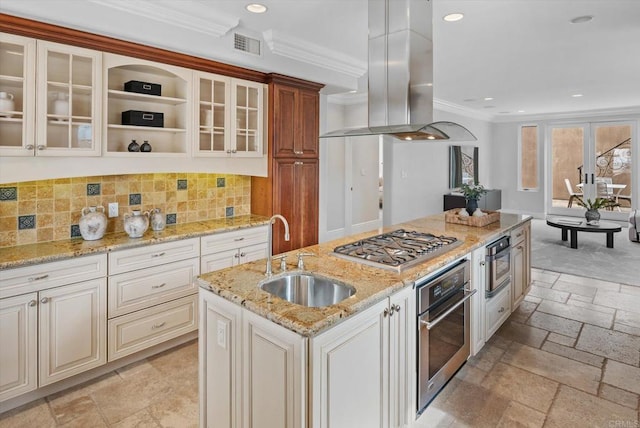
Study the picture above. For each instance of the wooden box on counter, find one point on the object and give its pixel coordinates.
(452, 216)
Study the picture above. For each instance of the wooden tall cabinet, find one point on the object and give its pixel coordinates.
(291, 189)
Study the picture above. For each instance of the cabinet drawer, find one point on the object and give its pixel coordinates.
(144, 288)
(28, 279)
(518, 234)
(498, 310)
(232, 240)
(140, 330)
(153, 255)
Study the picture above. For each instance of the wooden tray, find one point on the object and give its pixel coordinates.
(452, 216)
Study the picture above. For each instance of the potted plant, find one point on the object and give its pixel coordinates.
(472, 193)
(593, 215)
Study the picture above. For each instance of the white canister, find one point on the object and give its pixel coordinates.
(7, 104)
(93, 223)
(136, 223)
(61, 106)
(208, 118)
(157, 219)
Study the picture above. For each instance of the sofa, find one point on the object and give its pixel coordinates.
(634, 226)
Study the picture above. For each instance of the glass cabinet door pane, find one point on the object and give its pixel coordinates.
(11, 60)
(252, 98)
(58, 135)
(219, 93)
(81, 71)
(241, 96)
(81, 103)
(12, 57)
(205, 90)
(58, 67)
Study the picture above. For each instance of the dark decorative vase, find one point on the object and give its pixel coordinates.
(145, 147)
(472, 205)
(592, 216)
(133, 146)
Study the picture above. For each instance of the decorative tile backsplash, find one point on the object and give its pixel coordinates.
(49, 210)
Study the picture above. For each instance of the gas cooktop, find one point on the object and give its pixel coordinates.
(397, 250)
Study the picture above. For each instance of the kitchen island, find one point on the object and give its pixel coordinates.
(265, 359)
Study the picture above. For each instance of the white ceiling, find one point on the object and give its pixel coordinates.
(523, 53)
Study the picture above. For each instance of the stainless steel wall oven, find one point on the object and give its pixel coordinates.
(498, 265)
(443, 329)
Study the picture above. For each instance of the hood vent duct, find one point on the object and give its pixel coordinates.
(400, 75)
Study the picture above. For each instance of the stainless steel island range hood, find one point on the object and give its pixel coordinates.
(401, 74)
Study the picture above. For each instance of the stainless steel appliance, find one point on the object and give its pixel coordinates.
(498, 265)
(396, 250)
(443, 329)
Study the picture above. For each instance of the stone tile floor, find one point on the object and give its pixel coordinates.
(569, 356)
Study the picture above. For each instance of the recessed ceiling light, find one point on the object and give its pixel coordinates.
(429, 84)
(581, 19)
(408, 138)
(453, 17)
(256, 8)
(431, 137)
(576, 95)
(520, 111)
(353, 91)
(488, 98)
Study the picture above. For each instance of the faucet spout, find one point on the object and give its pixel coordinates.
(272, 220)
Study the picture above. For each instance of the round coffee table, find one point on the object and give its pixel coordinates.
(575, 225)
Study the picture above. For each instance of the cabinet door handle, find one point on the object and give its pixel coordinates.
(239, 239)
(396, 308)
(519, 247)
(41, 147)
(155, 326)
(44, 300)
(33, 303)
(38, 278)
(236, 255)
(297, 152)
(243, 254)
(298, 163)
(519, 235)
(29, 147)
(234, 151)
(501, 310)
(482, 263)
(158, 254)
(229, 151)
(385, 312)
(159, 286)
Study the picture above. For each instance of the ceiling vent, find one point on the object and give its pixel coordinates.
(246, 44)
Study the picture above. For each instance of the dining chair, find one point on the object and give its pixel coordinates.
(572, 193)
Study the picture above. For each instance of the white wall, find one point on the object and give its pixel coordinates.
(417, 173)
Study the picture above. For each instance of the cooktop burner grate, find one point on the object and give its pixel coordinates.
(397, 250)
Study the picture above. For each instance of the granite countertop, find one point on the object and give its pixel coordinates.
(239, 284)
(24, 255)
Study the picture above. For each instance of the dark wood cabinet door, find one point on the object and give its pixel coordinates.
(309, 125)
(285, 118)
(296, 198)
(306, 176)
(296, 125)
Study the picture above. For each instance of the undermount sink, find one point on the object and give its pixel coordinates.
(306, 289)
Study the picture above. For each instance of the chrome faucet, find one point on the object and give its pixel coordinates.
(272, 220)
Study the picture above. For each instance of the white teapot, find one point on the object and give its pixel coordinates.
(6, 104)
(93, 223)
(61, 106)
(136, 223)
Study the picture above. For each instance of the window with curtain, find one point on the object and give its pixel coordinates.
(528, 179)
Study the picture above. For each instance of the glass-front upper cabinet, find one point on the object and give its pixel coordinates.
(17, 95)
(213, 119)
(69, 82)
(247, 118)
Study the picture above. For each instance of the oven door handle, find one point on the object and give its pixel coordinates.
(435, 322)
(492, 257)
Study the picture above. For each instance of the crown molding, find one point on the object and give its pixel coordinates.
(287, 46)
(447, 106)
(599, 113)
(199, 18)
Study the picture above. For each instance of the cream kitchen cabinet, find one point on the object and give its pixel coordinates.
(57, 328)
(252, 371)
(520, 263)
(18, 345)
(152, 295)
(230, 116)
(497, 310)
(56, 92)
(362, 370)
(257, 373)
(228, 249)
(168, 135)
(477, 306)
